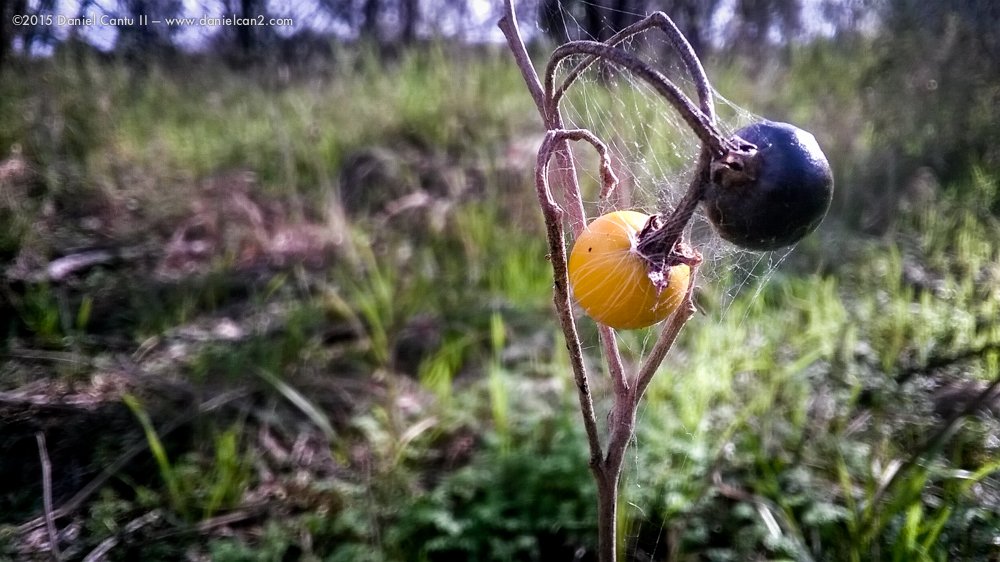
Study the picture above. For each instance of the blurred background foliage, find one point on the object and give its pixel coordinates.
(280, 292)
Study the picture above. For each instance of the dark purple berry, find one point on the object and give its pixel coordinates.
(772, 191)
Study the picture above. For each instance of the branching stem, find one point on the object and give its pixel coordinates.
(680, 44)
(557, 256)
(607, 468)
(700, 123)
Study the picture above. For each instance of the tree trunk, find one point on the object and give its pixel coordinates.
(7, 30)
(245, 33)
(369, 27)
(409, 16)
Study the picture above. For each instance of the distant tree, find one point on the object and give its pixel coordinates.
(755, 24)
(32, 36)
(588, 19)
(847, 17)
(139, 41)
(246, 43)
(386, 23)
(934, 97)
(409, 17)
(7, 29)
(764, 22)
(693, 18)
(369, 25)
(249, 37)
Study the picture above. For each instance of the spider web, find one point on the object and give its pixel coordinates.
(654, 154)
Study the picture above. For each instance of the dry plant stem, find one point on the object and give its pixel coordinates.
(578, 221)
(558, 137)
(623, 415)
(700, 123)
(672, 231)
(94, 485)
(567, 178)
(564, 159)
(508, 25)
(666, 340)
(104, 548)
(50, 520)
(564, 308)
(606, 470)
(657, 247)
(680, 44)
(938, 438)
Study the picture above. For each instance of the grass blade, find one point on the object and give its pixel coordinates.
(300, 402)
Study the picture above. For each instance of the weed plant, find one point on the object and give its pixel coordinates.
(796, 422)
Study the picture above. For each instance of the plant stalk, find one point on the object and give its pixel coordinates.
(607, 468)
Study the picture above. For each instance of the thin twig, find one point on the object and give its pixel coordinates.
(567, 170)
(61, 268)
(616, 369)
(623, 414)
(133, 526)
(663, 22)
(50, 520)
(508, 24)
(557, 256)
(572, 201)
(204, 526)
(657, 247)
(46, 355)
(609, 181)
(22, 401)
(564, 159)
(938, 437)
(941, 361)
(700, 123)
(94, 485)
(666, 340)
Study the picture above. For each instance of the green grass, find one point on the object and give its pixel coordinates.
(800, 393)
